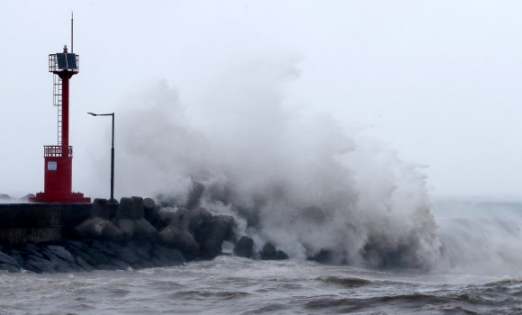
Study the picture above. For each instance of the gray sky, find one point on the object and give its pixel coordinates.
(439, 82)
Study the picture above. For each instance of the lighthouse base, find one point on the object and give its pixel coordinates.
(59, 197)
(58, 177)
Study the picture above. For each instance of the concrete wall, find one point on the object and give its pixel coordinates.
(39, 222)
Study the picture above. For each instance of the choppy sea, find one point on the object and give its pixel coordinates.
(480, 273)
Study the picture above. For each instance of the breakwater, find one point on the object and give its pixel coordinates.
(111, 235)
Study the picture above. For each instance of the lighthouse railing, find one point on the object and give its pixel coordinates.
(56, 151)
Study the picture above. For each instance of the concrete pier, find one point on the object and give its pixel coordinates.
(39, 222)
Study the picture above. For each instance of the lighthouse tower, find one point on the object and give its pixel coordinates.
(58, 158)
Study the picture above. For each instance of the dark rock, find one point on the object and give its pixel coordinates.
(167, 256)
(9, 268)
(199, 217)
(379, 253)
(149, 204)
(57, 258)
(268, 251)
(142, 248)
(150, 210)
(99, 228)
(143, 229)
(95, 258)
(280, 255)
(112, 208)
(139, 208)
(210, 233)
(84, 265)
(126, 226)
(75, 255)
(243, 247)
(99, 208)
(324, 256)
(228, 224)
(80, 250)
(125, 209)
(62, 253)
(154, 217)
(181, 219)
(33, 250)
(179, 239)
(39, 265)
(16, 255)
(8, 260)
(126, 254)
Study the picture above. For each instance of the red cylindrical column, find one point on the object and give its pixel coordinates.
(65, 113)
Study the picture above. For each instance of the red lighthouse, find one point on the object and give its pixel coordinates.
(58, 158)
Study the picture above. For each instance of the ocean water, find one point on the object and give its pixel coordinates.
(479, 271)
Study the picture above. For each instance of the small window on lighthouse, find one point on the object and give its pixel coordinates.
(52, 166)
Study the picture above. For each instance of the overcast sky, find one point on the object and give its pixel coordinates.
(439, 82)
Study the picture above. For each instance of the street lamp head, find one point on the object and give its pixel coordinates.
(94, 114)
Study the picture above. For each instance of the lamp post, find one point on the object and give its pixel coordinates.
(112, 151)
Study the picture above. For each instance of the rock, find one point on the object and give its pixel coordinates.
(67, 256)
(139, 208)
(112, 208)
(211, 233)
(62, 253)
(8, 263)
(198, 217)
(5, 259)
(280, 255)
(243, 247)
(9, 268)
(150, 210)
(16, 255)
(181, 219)
(268, 251)
(155, 217)
(125, 209)
(99, 228)
(33, 250)
(99, 208)
(83, 264)
(167, 256)
(129, 223)
(60, 258)
(39, 265)
(179, 239)
(324, 256)
(127, 227)
(143, 229)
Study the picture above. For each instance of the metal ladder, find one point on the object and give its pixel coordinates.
(57, 101)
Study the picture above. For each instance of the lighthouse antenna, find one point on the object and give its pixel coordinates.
(72, 31)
